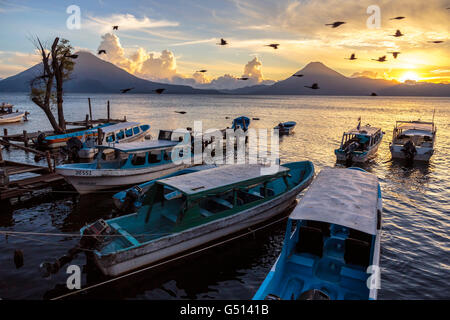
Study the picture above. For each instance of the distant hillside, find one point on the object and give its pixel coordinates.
(333, 83)
(93, 75)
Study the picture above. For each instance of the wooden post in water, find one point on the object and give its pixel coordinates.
(86, 121)
(90, 108)
(108, 110)
(1, 155)
(25, 138)
(49, 161)
(5, 132)
(99, 136)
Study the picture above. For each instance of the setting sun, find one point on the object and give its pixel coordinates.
(410, 75)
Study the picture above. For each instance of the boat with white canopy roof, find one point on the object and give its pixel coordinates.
(331, 248)
(122, 132)
(413, 140)
(133, 163)
(182, 212)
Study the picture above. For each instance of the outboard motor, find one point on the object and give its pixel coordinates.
(131, 197)
(409, 149)
(93, 236)
(73, 146)
(349, 150)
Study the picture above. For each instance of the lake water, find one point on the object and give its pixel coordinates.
(415, 246)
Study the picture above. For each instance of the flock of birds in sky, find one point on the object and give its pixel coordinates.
(314, 86)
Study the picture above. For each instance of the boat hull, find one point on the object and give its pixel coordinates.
(423, 154)
(359, 158)
(172, 245)
(12, 117)
(88, 181)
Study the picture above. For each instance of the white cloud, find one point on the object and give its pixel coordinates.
(163, 67)
(126, 22)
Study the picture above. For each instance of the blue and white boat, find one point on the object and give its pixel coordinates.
(241, 123)
(333, 251)
(286, 128)
(359, 144)
(186, 211)
(133, 163)
(122, 132)
(131, 198)
(60, 140)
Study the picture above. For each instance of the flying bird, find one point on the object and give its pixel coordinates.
(181, 112)
(335, 24)
(352, 57)
(115, 27)
(203, 70)
(101, 51)
(398, 33)
(125, 90)
(373, 94)
(160, 90)
(314, 86)
(273, 45)
(436, 41)
(243, 78)
(298, 75)
(397, 18)
(222, 42)
(381, 59)
(395, 54)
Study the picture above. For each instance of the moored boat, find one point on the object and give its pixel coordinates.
(331, 248)
(122, 132)
(359, 144)
(133, 163)
(7, 115)
(131, 198)
(183, 212)
(286, 128)
(60, 140)
(413, 140)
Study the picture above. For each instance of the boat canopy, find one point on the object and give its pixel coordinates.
(139, 146)
(221, 178)
(119, 126)
(365, 130)
(414, 132)
(344, 197)
(415, 125)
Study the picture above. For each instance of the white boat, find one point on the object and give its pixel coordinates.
(413, 140)
(183, 212)
(12, 117)
(134, 163)
(359, 144)
(122, 132)
(8, 116)
(331, 248)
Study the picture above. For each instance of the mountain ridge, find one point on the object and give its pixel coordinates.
(94, 75)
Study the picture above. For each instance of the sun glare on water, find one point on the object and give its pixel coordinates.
(410, 75)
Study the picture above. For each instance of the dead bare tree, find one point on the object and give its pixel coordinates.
(57, 63)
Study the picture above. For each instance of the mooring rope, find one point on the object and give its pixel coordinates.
(167, 261)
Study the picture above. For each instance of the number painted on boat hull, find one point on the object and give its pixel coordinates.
(83, 173)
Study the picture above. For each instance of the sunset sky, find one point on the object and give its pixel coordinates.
(169, 40)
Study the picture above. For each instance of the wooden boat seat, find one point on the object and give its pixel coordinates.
(306, 263)
(171, 216)
(323, 226)
(125, 234)
(223, 202)
(205, 212)
(353, 273)
(358, 235)
(357, 252)
(310, 241)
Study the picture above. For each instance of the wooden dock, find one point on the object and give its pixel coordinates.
(17, 188)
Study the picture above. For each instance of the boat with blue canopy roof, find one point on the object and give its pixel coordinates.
(331, 248)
